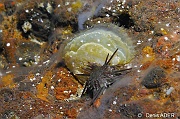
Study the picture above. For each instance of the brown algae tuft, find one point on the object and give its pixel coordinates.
(93, 45)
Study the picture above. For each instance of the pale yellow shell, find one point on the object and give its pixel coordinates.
(93, 46)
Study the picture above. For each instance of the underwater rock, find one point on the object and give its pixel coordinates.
(36, 20)
(7, 95)
(154, 78)
(8, 114)
(10, 7)
(3, 61)
(27, 53)
(93, 10)
(1, 18)
(93, 45)
(130, 110)
(1, 36)
(25, 86)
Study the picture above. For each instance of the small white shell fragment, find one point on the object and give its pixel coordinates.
(168, 92)
(26, 26)
(49, 8)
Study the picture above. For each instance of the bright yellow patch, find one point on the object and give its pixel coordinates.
(148, 54)
(43, 87)
(76, 6)
(7, 80)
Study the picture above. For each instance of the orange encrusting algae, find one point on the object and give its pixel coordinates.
(43, 87)
(66, 84)
(148, 54)
(28, 94)
(2, 7)
(11, 38)
(72, 113)
(7, 81)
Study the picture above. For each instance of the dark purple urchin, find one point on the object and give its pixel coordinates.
(101, 77)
